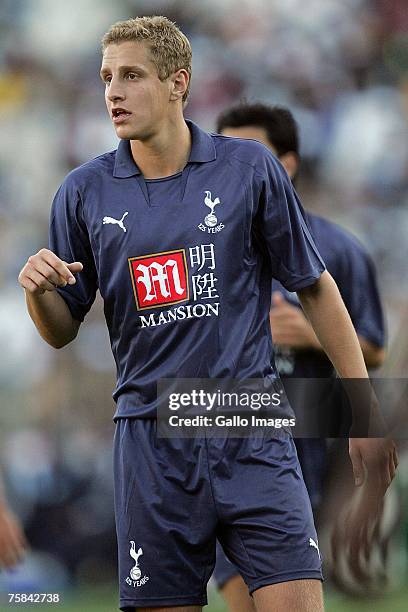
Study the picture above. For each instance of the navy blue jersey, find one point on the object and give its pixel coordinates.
(353, 270)
(184, 264)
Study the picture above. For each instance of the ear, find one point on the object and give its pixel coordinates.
(179, 84)
(290, 161)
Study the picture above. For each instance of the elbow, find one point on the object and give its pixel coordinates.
(375, 358)
(58, 342)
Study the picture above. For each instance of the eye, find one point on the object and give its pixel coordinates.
(107, 79)
(132, 76)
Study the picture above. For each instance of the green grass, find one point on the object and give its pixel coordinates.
(105, 600)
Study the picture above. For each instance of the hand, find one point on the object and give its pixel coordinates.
(289, 325)
(45, 271)
(359, 541)
(374, 461)
(12, 540)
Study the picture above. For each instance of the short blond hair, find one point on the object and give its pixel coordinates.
(170, 48)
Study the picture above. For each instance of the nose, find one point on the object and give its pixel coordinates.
(115, 92)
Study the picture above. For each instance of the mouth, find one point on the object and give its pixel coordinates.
(119, 115)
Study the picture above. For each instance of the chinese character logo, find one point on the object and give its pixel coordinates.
(159, 279)
(203, 256)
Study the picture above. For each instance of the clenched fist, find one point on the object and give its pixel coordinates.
(44, 271)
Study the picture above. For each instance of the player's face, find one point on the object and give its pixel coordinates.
(136, 99)
(250, 131)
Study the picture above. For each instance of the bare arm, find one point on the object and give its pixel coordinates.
(12, 539)
(291, 328)
(330, 320)
(40, 276)
(13, 544)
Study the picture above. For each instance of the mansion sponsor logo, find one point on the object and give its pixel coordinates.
(179, 313)
(159, 279)
(171, 277)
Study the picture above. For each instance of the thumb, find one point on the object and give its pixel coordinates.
(75, 266)
(358, 468)
(277, 298)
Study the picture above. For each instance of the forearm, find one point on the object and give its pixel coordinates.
(376, 458)
(52, 318)
(331, 322)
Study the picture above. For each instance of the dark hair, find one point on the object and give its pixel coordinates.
(277, 121)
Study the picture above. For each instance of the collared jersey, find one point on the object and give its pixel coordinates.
(184, 264)
(353, 270)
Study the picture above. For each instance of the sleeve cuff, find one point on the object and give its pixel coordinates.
(305, 281)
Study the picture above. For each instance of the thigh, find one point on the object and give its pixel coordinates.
(165, 518)
(294, 596)
(267, 523)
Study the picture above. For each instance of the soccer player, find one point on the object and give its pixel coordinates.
(181, 231)
(298, 352)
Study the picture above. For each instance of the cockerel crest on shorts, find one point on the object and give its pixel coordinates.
(135, 572)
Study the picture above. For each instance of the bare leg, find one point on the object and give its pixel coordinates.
(292, 596)
(236, 594)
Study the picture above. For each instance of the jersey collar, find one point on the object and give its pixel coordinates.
(202, 150)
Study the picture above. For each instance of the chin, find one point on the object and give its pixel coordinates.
(124, 132)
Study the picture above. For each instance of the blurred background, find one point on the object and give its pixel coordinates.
(342, 68)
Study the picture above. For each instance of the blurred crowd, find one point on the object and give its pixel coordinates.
(342, 68)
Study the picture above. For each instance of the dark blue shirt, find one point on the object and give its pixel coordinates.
(184, 265)
(353, 270)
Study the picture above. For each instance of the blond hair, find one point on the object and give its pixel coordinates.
(170, 48)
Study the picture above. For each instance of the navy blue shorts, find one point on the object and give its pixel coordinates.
(174, 497)
(312, 454)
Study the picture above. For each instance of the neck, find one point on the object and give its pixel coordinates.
(164, 153)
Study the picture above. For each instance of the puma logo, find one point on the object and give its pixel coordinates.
(314, 544)
(116, 221)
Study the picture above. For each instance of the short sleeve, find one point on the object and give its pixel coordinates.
(358, 286)
(69, 240)
(282, 227)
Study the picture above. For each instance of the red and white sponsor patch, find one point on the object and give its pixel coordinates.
(160, 278)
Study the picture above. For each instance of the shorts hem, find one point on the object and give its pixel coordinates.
(186, 600)
(287, 577)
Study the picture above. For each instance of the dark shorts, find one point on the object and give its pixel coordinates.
(312, 454)
(174, 497)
